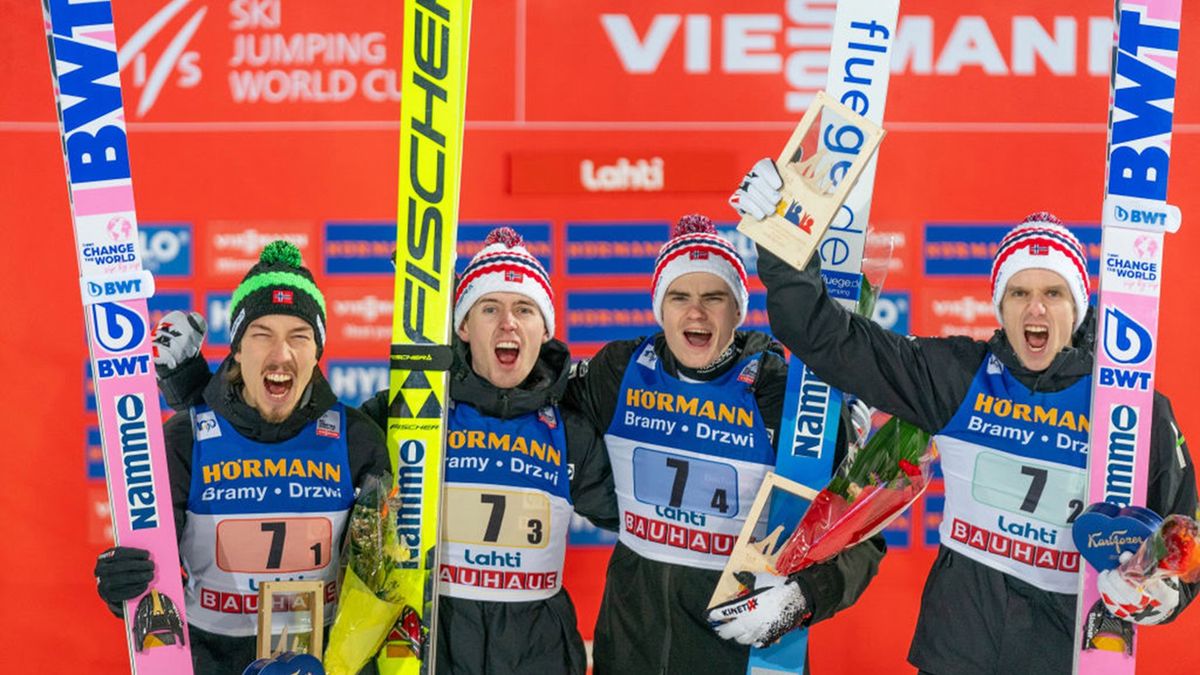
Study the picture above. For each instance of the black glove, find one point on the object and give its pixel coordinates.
(122, 573)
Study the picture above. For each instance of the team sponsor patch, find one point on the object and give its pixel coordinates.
(329, 425)
(206, 426)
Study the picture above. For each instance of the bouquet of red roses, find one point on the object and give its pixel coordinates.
(870, 489)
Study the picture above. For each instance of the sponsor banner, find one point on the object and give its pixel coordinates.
(624, 249)
(620, 172)
(607, 316)
(359, 314)
(931, 520)
(955, 308)
(359, 248)
(266, 60)
(583, 533)
(893, 312)
(745, 51)
(232, 248)
(355, 381)
(745, 248)
(166, 248)
(535, 234)
(958, 249)
(94, 454)
(89, 388)
(99, 516)
(216, 312)
(898, 533)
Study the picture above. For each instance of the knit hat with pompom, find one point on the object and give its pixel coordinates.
(695, 246)
(278, 284)
(504, 265)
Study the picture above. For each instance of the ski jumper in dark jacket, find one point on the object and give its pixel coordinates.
(667, 562)
(230, 469)
(1000, 596)
(531, 627)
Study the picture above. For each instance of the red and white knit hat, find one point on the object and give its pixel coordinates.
(504, 265)
(1041, 242)
(695, 246)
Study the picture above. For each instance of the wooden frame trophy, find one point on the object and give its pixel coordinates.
(821, 162)
(300, 654)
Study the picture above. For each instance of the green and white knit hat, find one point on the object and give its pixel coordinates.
(278, 284)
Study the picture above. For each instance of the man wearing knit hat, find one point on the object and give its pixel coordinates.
(506, 514)
(691, 415)
(263, 465)
(1009, 417)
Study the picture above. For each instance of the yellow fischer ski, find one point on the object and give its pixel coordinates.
(433, 95)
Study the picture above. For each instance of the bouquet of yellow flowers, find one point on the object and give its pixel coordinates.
(370, 600)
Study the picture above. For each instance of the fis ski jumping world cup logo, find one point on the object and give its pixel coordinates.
(1129, 343)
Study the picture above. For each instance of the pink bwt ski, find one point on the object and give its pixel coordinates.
(83, 59)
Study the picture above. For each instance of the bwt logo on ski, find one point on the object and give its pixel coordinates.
(123, 287)
(135, 458)
(810, 416)
(81, 68)
(117, 328)
(1122, 444)
(1126, 342)
(166, 249)
(1143, 109)
(410, 485)
(1125, 215)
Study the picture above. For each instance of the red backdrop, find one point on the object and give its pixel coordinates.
(996, 110)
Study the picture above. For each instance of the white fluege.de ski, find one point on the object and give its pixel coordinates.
(1135, 219)
(114, 288)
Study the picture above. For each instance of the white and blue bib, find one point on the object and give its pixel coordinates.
(508, 506)
(262, 512)
(1015, 465)
(687, 459)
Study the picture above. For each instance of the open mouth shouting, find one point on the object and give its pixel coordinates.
(278, 385)
(507, 352)
(1037, 338)
(699, 338)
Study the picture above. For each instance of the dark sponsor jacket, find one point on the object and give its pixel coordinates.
(653, 615)
(973, 618)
